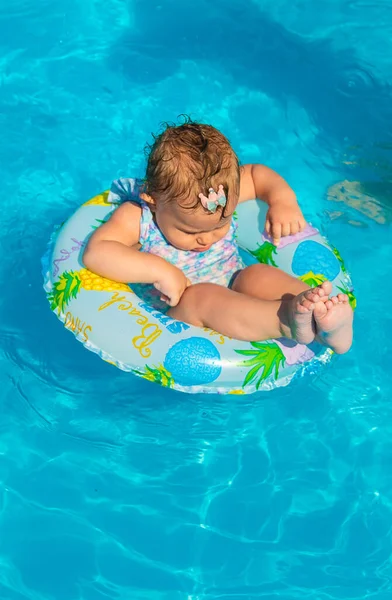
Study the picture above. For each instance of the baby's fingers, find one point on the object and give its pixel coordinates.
(294, 228)
(302, 224)
(173, 301)
(268, 226)
(276, 233)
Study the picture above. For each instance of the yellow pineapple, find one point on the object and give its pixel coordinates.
(157, 374)
(100, 200)
(70, 283)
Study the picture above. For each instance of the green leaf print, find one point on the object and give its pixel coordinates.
(64, 290)
(264, 254)
(157, 374)
(266, 360)
(339, 258)
(313, 279)
(351, 296)
(100, 222)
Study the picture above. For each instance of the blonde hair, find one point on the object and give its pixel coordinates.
(187, 159)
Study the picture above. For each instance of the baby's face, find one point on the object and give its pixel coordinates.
(188, 229)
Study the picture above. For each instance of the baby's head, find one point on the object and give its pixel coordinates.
(184, 162)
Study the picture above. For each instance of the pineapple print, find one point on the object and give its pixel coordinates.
(264, 254)
(263, 360)
(100, 200)
(157, 375)
(312, 279)
(70, 283)
(313, 258)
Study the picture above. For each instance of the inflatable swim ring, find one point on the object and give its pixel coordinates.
(111, 320)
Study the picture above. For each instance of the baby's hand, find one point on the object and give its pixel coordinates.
(284, 219)
(172, 284)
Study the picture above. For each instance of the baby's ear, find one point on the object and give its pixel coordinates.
(149, 200)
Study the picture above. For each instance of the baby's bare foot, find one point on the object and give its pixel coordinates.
(334, 323)
(302, 324)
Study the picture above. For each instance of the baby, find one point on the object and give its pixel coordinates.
(175, 235)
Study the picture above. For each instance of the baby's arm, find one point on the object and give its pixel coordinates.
(284, 216)
(113, 252)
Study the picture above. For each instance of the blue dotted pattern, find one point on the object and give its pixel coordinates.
(312, 256)
(193, 361)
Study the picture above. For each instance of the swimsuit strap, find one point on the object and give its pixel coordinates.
(125, 189)
(148, 228)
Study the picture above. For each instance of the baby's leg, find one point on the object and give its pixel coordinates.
(332, 321)
(268, 283)
(245, 318)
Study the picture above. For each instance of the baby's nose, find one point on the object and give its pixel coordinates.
(205, 239)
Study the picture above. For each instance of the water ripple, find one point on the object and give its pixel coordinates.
(357, 79)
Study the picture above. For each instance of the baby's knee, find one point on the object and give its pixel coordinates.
(187, 310)
(248, 276)
(191, 307)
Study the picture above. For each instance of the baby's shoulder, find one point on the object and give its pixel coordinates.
(128, 212)
(123, 225)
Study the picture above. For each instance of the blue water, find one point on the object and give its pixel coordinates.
(111, 487)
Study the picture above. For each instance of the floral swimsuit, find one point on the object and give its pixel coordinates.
(219, 264)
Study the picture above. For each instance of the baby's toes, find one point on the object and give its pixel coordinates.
(326, 288)
(329, 304)
(320, 292)
(320, 310)
(306, 305)
(316, 295)
(342, 297)
(312, 296)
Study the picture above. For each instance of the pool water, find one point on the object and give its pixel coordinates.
(111, 487)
